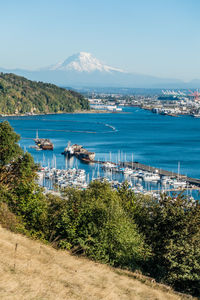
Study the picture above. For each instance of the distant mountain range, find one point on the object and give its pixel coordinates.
(83, 69)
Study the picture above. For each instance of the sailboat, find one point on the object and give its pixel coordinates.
(177, 183)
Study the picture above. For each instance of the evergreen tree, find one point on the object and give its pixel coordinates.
(9, 149)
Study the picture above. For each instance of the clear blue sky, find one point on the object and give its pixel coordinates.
(158, 37)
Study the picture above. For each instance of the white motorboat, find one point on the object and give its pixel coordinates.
(151, 177)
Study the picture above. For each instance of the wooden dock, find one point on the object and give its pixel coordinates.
(161, 172)
(138, 166)
(177, 189)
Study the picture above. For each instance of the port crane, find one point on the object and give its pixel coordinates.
(173, 93)
(195, 94)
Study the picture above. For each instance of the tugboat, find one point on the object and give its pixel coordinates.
(78, 151)
(44, 144)
(68, 151)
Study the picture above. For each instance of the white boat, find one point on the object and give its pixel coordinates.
(128, 171)
(166, 180)
(135, 174)
(108, 166)
(179, 183)
(69, 151)
(151, 177)
(139, 186)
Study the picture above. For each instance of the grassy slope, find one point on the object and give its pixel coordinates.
(42, 272)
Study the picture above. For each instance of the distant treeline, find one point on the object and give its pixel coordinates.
(160, 238)
(20, 95)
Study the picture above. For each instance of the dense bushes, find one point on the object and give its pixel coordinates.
(10, 220)
(162, 238)
(172, 229)
(18, 188)
(94, 223)
(20, 95)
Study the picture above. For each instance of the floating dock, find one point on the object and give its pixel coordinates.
(138, 166)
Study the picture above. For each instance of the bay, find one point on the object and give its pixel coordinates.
(156, 140)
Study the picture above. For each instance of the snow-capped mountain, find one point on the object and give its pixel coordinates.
(82, 62)
(84, 70)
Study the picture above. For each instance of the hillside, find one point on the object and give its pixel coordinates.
(160, 239)
(32, 270)
(20, 95)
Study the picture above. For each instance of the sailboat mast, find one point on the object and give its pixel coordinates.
(178, 170)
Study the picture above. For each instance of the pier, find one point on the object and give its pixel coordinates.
(143, 167)
(161, 172)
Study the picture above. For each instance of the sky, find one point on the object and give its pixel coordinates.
(154, 37)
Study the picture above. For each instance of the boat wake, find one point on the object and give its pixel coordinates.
(109, 126)
(63, 130)
(105, 124)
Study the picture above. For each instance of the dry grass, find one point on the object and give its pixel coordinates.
(31, 270)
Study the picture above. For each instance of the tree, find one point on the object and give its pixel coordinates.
(22, 172)
(93, 222)
(27, 198)
(23, 95)
(9, 149)
(18, 187)
(172, 229)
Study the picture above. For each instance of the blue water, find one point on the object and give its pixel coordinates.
(156, 140)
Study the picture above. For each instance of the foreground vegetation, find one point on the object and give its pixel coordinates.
(19, 95)
(157, 238)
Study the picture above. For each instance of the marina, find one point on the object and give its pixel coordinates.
(135, 169)
(156, 143)
(170, 181)
(139, 178)
(140, 182)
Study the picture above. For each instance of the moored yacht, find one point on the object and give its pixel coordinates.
(150, 177)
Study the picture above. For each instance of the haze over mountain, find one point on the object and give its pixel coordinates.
(83, 69)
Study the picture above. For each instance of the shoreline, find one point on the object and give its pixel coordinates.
(92, 111)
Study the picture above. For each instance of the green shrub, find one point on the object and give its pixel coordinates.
(94, 223)
(9, 220)
(172, 229)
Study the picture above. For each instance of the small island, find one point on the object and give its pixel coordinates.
(19, 96)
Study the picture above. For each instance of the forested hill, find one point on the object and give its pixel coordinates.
(19, 95)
